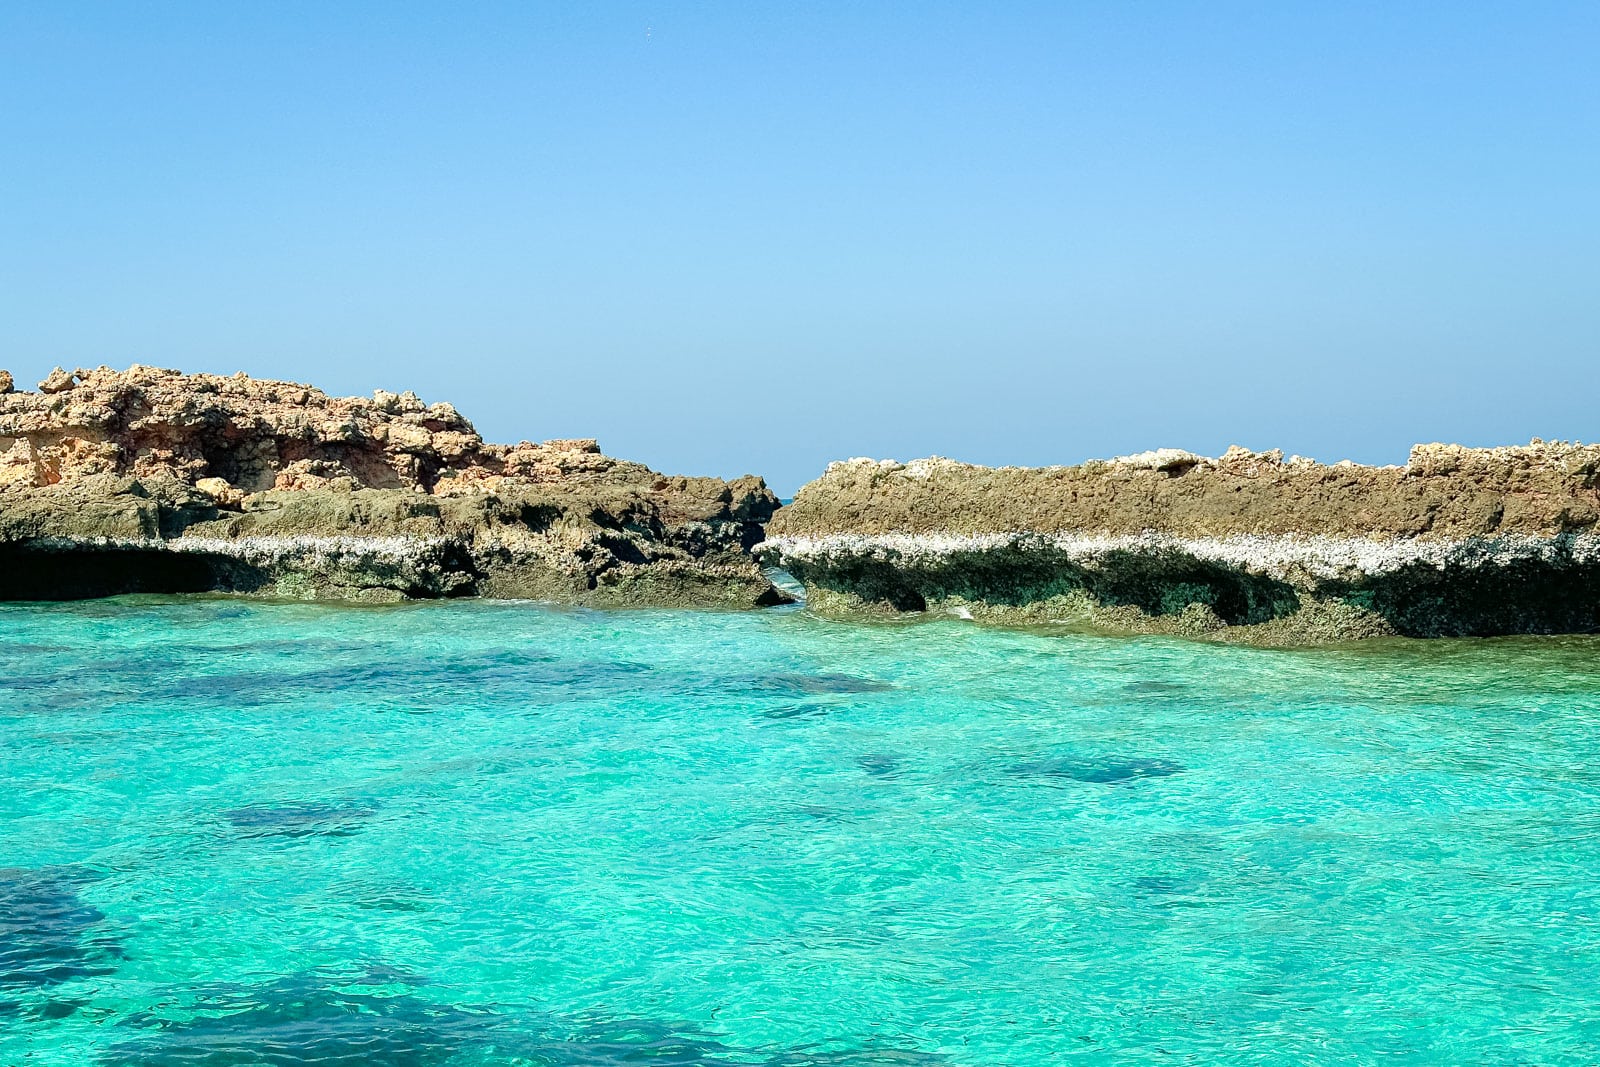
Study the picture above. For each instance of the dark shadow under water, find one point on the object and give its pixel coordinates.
(316, 1019)
(299, 819)
(47, 933)
(1109, 770)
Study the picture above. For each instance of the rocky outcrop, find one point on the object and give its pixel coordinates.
(1249, 547)
(155, 481)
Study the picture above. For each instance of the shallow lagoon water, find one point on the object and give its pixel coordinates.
(477, 833)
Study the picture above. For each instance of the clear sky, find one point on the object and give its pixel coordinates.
(756, 237)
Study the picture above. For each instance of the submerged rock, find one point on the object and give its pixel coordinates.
(1248, 547)
(360, 1021)
(47, 932)
(796, 711)
(812, 684)
(149, 480)
(1110, 771)
(879, 765)
(306, 1019)
(299, 819)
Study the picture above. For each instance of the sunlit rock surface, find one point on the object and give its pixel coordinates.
(149, 480)
(1247, 547)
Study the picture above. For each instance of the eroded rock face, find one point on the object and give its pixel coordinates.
(258, 435)
(1247, 547)
(153, 480)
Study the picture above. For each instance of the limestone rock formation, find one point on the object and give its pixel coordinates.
(1246, 547)
(152, 480)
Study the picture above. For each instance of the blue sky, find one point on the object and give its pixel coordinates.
(756, 237)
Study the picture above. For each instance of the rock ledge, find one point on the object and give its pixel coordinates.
(1248, 547)
(149, 480)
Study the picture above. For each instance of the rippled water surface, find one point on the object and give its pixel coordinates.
(472, 833)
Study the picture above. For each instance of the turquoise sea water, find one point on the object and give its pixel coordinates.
(474, 833)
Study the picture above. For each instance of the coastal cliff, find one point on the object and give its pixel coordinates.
(1249, 547)
(149, 480)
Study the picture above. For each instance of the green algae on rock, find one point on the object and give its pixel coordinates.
(1249, 547)
(149, 480)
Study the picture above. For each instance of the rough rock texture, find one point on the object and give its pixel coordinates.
(1249, 547)
(151, 480)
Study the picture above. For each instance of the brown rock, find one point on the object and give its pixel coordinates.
(220, 491)
(558, 520)
(574, 444)
(1444, 492)
(57, 381)
(1249, 547)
